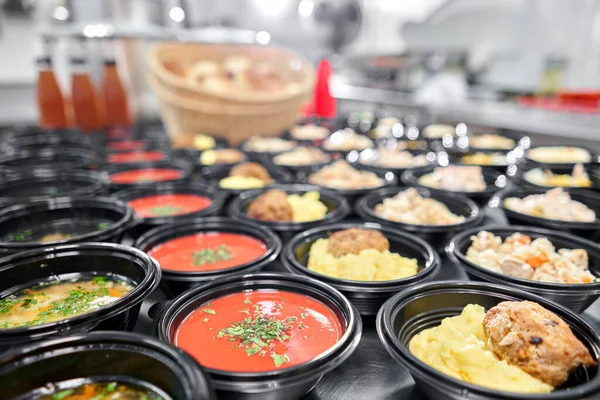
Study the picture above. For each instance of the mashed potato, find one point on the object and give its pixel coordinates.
(367, 265)
(307, 207)
(458, 348)
(241, 182)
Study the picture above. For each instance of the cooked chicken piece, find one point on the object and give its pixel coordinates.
(251, 170)
(271, 206)
(536, 340)
(517, 268)
(352, 241)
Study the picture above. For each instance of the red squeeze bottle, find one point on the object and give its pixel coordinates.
(86, 105)
(325, 105)
(114, 97)
(50, 101)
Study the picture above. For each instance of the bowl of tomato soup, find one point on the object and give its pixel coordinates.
(103, 365)
(192, 253)
(123, 176)
(263, 335)
(165, 203)
(136, 157)
(72, 289)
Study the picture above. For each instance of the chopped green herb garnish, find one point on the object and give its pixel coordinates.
(102, 225)
(247, 301)
(252, 350)
(209, 311)
(165, 211)
(279, 359)
(62, 394)
(205, 320)
(100, 279)
(246, 311)
(303, 315)
(291, 319)
(31, 301)
(211, 256)
(111, 387)
(7, 303)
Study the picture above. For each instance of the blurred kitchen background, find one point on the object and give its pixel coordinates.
(530, 65)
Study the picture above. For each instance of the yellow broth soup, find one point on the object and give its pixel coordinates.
(103, 391)
(57, 300)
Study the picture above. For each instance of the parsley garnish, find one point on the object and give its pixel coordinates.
(62, 394)
(209, 311)
(279, 360)
(206, 256)
(165, 211)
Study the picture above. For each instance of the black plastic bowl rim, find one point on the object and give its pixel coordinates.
(183, 166)
(474, 216)
(588, 198)
(431, 267)
(237, 209)
(400, 352)
(165, 233)
(357, 159)
(191, 375)
(141, 290)
(458, 258)
(157, 189)
(494, 181)
(269, 380)
(126, 222)
(95, 184)
(78, 159)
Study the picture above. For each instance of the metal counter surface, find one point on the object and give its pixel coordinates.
(371, 373)
(488, 113)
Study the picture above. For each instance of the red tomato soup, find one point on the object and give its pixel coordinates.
(146, 175)
(126, 145)
(167, 205)
(136, 156)
(259, 330)
(208, 251)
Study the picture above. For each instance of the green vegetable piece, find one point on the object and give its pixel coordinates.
(279, 360)
(62, 394)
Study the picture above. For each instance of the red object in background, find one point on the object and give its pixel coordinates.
(577, 102)
(86, 105)
(324, 104)
(51, 104)
(114, 97)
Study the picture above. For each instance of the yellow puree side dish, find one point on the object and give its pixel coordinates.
(367, 265)
(458, 348)
(307, 207)
(241, 182)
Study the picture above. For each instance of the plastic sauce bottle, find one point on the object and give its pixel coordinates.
(86, 105)
(114, 97)
(50, 101)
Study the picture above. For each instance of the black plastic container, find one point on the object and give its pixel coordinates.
(25, 269)
(122, 146)
(595, 159)
(352, 195)
(509, 159)
(494, 181)
(174, 283)
(139, 157)
(133, 193)
(366, 296)
(104, 356)
(212, 175)
(366, 158)
(299, 173)
(50, 138)
(100, 219)
(587, 230)
(436, 235)
(577, 297)
(285, 384)
(425, 306)
(337, 209)
(516, 174)
(52, 159)
(40, 142)
(183, 167)
(264, 156)
(51, 185)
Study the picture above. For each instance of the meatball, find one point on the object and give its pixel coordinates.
(271, 206)
(251, 170)
(536, 340)
(352, 241)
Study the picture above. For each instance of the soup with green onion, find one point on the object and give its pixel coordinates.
(57, 300)
(101, 391)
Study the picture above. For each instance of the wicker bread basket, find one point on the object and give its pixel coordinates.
(188, 108)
